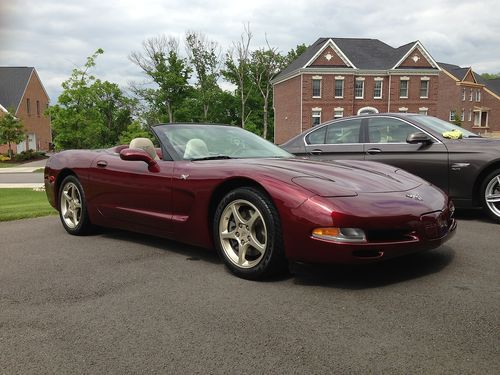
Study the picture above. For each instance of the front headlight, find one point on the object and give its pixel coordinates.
(339, 234)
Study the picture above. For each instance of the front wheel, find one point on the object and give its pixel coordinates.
(73, 207)
(247, 234)
(490, 195)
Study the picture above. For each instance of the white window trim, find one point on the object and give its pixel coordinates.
(464, 95)
(338, 109)
(451, 116)
(427, 95)
(407, 87)
(470, 114)
(381, 88)
(315, 109)
(462, 115)
(362, 80)
(403, 109)
(314, 78)
(338, 78)
(471, 94)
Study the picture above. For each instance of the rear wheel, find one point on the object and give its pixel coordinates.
(490, 195)
(72, 207)
(247, 233)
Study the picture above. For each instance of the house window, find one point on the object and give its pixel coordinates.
(424, 89)
(38, 108)
(452, 115)
(359, 89)
(28, 106)
(470, 95)
(478, 95)
(462, 115)
(423, 111)
(403, 89)
(477, 118)
(339, 88)
(338, 112)
(377, 90)
(316, 117)
(403, 110)
(316, 88)
(463, 95)
(470, 114)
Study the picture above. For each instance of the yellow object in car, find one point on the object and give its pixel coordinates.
(453, 134)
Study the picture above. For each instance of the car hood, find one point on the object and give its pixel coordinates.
(344, 178)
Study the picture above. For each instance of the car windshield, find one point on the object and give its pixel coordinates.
(209, 142)
(443, 127)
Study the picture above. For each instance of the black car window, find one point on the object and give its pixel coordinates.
(316, 137)
(343, 132)
(389, 130)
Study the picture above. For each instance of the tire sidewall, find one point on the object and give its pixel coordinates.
(83, 225)
(273, 255)
(486, 181)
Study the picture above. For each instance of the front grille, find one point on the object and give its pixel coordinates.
(389, 235)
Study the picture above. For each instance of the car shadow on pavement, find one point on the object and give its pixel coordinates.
(472, 214)
(192, 253)
(373, 275)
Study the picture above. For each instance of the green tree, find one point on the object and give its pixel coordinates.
(11, 130)
(161, 61)
(237, 71)
(490, 75)
(204, 56)
(135, 130)
(266, 63)
(90, 113)
(294, 53)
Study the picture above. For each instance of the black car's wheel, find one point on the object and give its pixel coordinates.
(490, 195)
(247, 234)
(72, 207)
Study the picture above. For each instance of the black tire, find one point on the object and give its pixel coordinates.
(489, 187)
(250, 241)
(73, 207)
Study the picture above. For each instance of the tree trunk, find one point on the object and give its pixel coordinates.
(205, 111)
(169, 110)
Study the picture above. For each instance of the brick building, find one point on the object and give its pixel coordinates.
(22, 91)
(337, 77)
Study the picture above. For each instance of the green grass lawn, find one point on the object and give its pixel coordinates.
(6, 164)
(23, 203)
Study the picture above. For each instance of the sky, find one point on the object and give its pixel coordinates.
(56, 36)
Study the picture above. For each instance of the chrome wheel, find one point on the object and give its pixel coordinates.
(71, 205)
(492, 195)
(243, 233)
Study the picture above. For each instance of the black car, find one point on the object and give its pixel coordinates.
(463, 164)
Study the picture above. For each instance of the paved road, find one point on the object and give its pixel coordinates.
(21, 177)
(123, 303)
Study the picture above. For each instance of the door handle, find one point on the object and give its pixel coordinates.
(373, 151)
(102, 163)
(316, 152)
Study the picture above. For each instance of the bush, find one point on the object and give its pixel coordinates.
(4, 158)
(28, 155)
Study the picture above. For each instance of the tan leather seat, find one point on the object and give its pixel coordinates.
(146, 145)
(196, 148)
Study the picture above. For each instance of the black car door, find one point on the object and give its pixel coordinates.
(338, 140)
(386, 143)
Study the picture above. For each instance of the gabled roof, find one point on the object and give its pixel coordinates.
(13, 82)
(369, 54)
(493, 85)
(456, 71)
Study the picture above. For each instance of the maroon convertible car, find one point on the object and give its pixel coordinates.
(223, 187)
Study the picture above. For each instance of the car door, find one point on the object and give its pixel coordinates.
(338, 140)
(126, 192)
(386, 143)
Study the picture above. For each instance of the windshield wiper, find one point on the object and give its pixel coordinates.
(213, 157)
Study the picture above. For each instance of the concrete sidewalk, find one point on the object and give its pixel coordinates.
(25, 167)
(27, 185)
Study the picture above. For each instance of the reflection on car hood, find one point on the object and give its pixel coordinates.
(345, 178)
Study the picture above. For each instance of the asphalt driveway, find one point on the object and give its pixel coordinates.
(122, 303)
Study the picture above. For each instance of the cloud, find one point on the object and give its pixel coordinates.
(57, 35)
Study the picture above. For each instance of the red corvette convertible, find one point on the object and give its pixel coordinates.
(223, 187)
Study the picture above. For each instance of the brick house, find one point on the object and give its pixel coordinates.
(337, 77)
(22, 90)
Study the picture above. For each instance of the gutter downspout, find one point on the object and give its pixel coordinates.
(301, 102)
(389, 94)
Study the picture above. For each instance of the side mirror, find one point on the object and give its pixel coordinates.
(419, 137)
(137, 154)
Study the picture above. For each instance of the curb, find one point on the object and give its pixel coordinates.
(29, 185)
